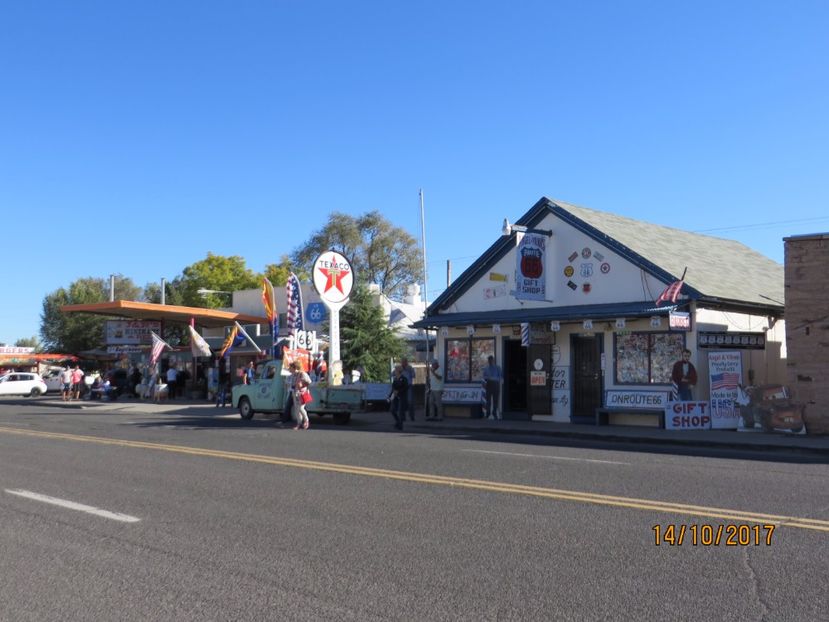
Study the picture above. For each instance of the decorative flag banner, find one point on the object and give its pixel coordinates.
(246, 336)
(671, 293)
(530, 280)
(158, 347)
(198, 345)
(293, 298)
(725, 371)
(525, 334)
(232, 340)
(271, 312)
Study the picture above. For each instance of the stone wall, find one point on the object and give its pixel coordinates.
(807, 326)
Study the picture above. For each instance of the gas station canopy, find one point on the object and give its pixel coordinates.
(208, 318)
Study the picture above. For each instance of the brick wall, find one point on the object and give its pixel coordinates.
(807, 326)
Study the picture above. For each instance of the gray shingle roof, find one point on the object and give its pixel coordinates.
(717, 268)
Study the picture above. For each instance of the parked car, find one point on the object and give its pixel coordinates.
(22, 383)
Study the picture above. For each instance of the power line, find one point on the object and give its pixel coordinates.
(760, 225)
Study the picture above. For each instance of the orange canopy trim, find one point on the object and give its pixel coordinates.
(210, 318)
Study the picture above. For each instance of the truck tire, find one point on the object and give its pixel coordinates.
(342, 418)
(245, 409)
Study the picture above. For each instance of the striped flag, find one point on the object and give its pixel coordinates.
(725, 380)
(293, 298)
(232, 340)
(271, 312)
(525, 334)
(671, 292)
(158, 347)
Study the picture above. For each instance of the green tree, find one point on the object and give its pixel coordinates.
(378, 251)
(214, 272)
(29, 342)
(278, 273)
(74, 332)
(366, 338)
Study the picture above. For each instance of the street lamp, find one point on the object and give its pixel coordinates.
(508, 229)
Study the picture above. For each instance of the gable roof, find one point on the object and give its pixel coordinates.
(719, 271)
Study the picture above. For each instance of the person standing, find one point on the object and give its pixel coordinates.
(301, 383)
(398, 397)
(492, 389)
(77, 379)
(172, 380)
(434, 410)
(250, 373)
(66, 384)
(684, 376)
(409, 373)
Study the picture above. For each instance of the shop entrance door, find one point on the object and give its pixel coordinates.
(539, 379)
(587, 377)
(515, 380)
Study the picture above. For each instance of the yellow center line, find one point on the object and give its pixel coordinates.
(458, 482)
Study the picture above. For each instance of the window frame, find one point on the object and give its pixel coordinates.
(469, 341)
(651, 335)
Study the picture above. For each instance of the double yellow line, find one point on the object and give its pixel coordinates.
(456, 482)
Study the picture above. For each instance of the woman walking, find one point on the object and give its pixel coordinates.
(300, 383)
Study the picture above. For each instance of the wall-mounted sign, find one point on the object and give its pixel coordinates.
(738, 341)
(496, 329)
(470, 330)
(444, 331)
(620, 323)
(16, 350)
(555, 326)
(494, 276)
(130, 332)
(679, 320)
(538, 378)
(530, 258)
(656, 321)
(587, 325)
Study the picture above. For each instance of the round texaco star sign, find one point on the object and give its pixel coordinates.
(333, 278)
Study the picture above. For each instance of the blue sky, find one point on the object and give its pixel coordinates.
(138, 137)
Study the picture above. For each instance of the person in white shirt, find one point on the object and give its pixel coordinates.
(66, 384)
(172, 377)
(434, 411)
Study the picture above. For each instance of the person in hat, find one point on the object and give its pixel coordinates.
(434, 410)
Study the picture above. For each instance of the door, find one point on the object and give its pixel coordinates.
(515, 380)
(539, 378)
(587, 377)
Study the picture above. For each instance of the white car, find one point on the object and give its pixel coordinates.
(22, 383)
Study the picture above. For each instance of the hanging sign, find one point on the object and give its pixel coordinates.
(530, 280)
(679, 320)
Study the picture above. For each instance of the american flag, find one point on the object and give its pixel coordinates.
(671, 292)
(293, 301)
(725, 380)
(158, 347)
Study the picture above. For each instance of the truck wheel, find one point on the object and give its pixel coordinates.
(342, 418)
(245, 409)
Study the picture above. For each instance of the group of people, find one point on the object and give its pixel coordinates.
(401, 397)
(71, 383)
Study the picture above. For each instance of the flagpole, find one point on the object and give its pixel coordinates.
(425, 276)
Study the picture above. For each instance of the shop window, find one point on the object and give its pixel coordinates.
(647, 358)
(466, 358)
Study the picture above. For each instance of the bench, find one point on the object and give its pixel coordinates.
(644, 402)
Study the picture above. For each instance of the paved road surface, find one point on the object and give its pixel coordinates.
(250, 522)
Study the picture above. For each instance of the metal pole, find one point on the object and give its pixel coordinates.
(112, 288)
(163, 290)
(425, 275)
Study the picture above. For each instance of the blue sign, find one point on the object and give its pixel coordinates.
(315, 313)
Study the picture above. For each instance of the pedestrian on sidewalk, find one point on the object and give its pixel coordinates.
(434, 405)
(172, 378)
(66, 384)
(301, 383)
(77, 379)
(409, 373)
(398, 398)
(492, 388)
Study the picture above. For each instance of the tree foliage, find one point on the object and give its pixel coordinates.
(278, 273)
(366, 339)
(29, 342)
(74, 332)
(378, 251)
(215, 272)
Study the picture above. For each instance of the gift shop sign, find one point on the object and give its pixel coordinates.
(687, 416)
(530, 280)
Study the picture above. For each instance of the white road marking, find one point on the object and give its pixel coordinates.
(124, 518)
(507, 453)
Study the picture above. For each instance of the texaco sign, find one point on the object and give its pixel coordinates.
(333, 278)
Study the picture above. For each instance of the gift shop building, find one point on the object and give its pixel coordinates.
(566, 303)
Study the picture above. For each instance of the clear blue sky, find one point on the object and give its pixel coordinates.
(138, 136)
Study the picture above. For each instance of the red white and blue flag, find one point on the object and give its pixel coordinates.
(158, 347)
(293, 298)
(725, 380)
(671, 292)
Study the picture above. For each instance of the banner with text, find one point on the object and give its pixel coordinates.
(725, 372)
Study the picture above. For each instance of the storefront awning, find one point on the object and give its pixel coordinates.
(547, 314)
(209, 318)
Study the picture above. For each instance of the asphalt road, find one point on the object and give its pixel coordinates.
(218, 519)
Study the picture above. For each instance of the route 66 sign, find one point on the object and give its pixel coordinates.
(586, 270)
(315, 312)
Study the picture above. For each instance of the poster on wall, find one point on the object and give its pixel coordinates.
(530, 258)
(725, 373)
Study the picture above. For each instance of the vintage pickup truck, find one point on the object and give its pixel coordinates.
(269, 393)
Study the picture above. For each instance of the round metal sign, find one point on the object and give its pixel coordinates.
(333, 277)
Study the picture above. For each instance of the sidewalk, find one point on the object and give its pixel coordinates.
(724, 439)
